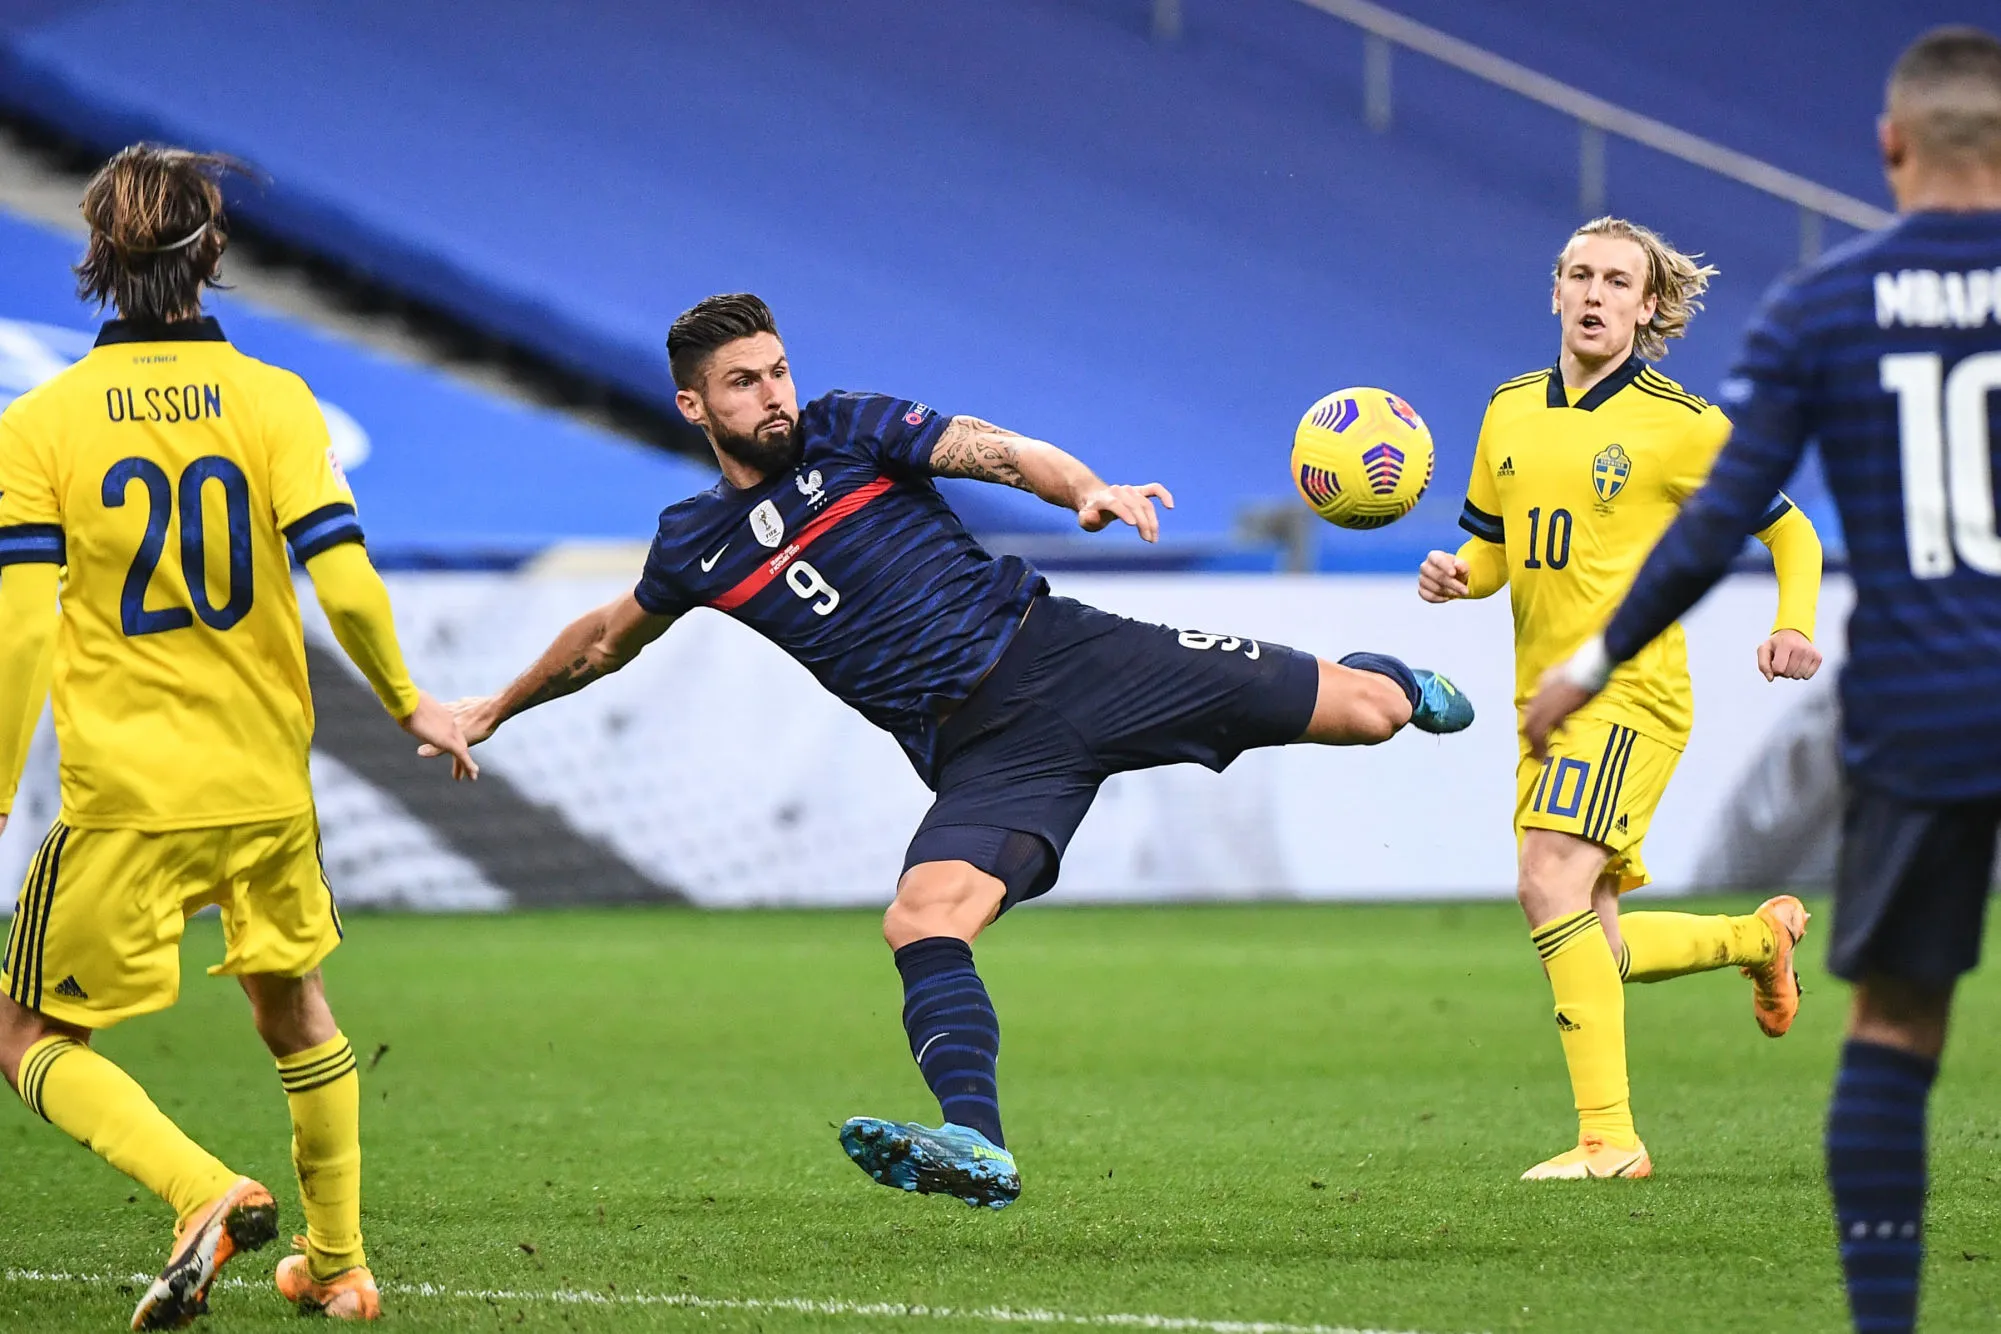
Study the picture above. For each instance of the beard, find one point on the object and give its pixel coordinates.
(765, 451)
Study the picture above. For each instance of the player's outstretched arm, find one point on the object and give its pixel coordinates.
(985, 452)
(27, 650)
(596, 644)
(350, 592)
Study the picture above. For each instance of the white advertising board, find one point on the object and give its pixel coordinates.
(716, 765)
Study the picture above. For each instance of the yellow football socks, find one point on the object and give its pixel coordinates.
(1661, 945)
(103, 1109)
(324, 1093)
(1591, 1016)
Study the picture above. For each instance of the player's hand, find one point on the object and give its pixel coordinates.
(3, 824)
(475, 718)
(1790, 654)
(1132, 504)
(1556, 698)
(1442, 577)
(438, 728)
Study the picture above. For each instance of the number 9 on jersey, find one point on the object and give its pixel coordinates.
(811, 585)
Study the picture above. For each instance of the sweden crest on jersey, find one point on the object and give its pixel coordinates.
(1610, 470)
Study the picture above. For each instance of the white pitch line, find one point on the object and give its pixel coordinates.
(996, 1315)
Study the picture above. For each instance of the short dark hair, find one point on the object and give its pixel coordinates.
(157, 231)
(1953, 58)
(707, 325)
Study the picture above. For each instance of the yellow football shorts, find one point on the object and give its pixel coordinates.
(1602, 782)
(97, 930)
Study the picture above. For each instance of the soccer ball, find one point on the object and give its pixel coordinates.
(1361, 458)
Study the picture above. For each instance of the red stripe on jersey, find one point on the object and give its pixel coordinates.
(754, 583)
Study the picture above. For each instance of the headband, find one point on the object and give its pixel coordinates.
(181, 244)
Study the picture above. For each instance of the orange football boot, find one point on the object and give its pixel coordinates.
(1775, 987)
(349, 1295)
(242, 1218)
(1594, 1160)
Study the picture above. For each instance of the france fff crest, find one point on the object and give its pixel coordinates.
(1610, 470)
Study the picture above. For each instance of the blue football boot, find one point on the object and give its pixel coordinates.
(951, 1160)
(1441, 706)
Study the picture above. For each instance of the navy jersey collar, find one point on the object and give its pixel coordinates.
(1601, 391)
(1972, 220)
(203, 330)
(725, 489)
(729, 490)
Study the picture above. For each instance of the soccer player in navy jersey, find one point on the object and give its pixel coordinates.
(1888, 353)
(826, 535)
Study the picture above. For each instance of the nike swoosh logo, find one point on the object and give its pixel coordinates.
(710, 563)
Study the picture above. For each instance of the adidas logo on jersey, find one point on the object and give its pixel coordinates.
(68, 987)
(1507, 468)
(1620, 824)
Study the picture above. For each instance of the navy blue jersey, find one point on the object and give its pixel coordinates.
(1887, 354)
(854, 564)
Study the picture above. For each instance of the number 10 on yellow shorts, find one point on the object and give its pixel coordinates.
(1601, 782)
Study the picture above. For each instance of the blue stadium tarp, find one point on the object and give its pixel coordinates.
(1158, 255)
(443, 474)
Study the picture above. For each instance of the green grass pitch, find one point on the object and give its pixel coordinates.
(1298, 1114)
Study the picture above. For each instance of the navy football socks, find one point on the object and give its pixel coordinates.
(1384, 665)
(1876, 1168)
(954, 1033)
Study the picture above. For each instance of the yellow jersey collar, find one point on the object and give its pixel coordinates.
(1601, 391)
(204, 330)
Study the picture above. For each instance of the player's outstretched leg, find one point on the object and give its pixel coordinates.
(100, 1106)
(316, 1066)
(955, 1039)
(1663, 945)
(1353, 709)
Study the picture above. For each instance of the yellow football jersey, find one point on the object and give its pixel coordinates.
(1578, 487)
(168, 471)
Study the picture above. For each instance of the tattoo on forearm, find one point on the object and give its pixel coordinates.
(567, 680)
(979, 450)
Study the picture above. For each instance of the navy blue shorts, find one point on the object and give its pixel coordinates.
(1910, 895)
(1081, 695)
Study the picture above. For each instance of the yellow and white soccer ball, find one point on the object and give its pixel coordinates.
(1361, 458)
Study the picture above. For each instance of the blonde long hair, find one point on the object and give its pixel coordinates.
(1675, 281)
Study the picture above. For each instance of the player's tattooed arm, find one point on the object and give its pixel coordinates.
(981, 451)
(969, 447)
(594, 645)
(568, 681)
